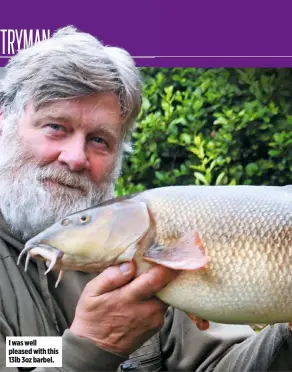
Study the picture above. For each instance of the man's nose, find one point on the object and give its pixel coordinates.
(74, 155)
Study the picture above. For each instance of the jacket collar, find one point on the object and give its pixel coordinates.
(7, 235)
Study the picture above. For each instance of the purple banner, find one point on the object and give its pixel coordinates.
(163, 33)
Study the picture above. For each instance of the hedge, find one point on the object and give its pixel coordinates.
(212, 127)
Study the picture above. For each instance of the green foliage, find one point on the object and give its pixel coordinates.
(211, 127)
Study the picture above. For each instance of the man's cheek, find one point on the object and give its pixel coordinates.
(101, 168)
(43, 152)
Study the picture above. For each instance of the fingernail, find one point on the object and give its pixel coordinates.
(125, 267)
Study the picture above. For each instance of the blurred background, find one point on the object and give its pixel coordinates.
(211, 127)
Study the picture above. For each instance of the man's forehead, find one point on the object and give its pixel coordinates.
(108, 102)
(89, 110)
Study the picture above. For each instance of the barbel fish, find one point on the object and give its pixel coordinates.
(232, 246)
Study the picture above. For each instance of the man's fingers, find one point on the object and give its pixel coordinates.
(110, 279)
(148, 284)
(142, 288)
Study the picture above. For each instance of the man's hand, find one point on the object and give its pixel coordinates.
(120, 314)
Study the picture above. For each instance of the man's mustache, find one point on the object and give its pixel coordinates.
(62, 176)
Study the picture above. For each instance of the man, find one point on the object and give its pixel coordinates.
(68, 106)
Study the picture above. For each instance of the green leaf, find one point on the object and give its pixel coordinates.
(274, 153)
(220, 178)
(201, 177)
(186, 138)
(251, 169)
(197, 141)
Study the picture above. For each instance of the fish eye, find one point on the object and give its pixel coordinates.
(84, 219)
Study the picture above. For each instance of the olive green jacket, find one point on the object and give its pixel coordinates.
(31, 306)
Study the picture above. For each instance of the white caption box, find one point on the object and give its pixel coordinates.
(33, 351)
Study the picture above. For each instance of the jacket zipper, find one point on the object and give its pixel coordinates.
(129, 366)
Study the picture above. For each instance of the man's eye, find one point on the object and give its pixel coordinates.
(99, 140)
(56, 127)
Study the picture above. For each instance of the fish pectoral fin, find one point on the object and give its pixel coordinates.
(187, 253)
(202, 324)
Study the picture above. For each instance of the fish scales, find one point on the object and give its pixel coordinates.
(248, 235)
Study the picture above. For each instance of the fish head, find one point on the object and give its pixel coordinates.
(92, 239)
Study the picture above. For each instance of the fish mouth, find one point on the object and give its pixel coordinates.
(43, 252)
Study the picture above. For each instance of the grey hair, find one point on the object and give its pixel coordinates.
(69, 65)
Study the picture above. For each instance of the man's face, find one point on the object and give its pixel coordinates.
(59, 159)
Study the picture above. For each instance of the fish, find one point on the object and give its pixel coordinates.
(231, 246)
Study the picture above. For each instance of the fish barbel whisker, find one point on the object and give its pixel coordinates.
(27, 261)
(53, 262)
(50, 253)
(28, 248)
(60, 277)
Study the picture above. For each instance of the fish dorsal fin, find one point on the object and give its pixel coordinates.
(187, 253)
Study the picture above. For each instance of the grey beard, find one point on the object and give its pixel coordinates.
(28, 207)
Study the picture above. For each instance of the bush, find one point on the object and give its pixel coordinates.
(211, 126)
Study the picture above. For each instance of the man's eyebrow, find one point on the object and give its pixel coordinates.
(52, 118)
(106, 130)
(99, 128)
